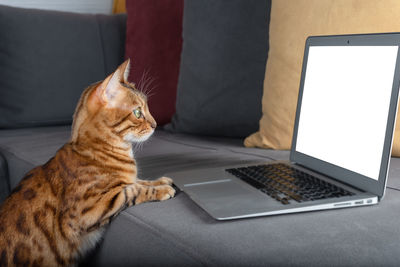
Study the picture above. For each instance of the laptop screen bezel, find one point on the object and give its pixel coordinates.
(365, 183)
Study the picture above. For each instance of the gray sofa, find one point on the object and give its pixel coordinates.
(179, 233)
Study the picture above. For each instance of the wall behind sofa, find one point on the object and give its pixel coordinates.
(80, 6)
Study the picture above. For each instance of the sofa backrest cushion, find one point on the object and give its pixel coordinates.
(47, 58)
(225, 45)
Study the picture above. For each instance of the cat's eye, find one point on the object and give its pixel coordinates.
(137, 112)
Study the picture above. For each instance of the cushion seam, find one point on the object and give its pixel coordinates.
(6, 173)
(15, 155)
(181, 246)
(19, 157)
(8, 178)
(393, 188)
(185, 144)
(250, 154)
(215, 149)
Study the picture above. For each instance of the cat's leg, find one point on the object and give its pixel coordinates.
(160, 181)
(114, 201)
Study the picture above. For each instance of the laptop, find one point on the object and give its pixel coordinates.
(342, 138)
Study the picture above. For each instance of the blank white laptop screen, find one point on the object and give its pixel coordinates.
(345, 105)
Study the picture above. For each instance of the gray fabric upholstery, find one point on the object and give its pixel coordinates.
(222, 67)
(41, 79)
(179, 233)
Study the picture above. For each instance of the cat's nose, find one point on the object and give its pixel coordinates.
(153, 125)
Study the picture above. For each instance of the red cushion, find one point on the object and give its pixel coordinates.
(154, 44)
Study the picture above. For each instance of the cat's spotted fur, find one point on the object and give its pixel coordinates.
(59, 210)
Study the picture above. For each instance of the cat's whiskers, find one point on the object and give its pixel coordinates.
(144, 74)
(137, 146)
(150, 87)
(146, 84)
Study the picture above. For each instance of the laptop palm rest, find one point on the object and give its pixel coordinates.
(225, 197)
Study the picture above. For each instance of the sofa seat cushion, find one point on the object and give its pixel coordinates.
(178, 232)
(364, 236)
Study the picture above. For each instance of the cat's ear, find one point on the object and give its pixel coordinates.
(125, 67)
(109, 91)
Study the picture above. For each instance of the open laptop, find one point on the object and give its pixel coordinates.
(342, 137)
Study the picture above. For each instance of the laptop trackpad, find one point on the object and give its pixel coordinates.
(224, 197)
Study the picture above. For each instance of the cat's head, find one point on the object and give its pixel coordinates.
(113, 110)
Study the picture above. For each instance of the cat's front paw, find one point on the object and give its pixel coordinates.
(165, 180)
(165, 192)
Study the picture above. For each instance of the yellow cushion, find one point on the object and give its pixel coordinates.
(119, 6)
(292, 21)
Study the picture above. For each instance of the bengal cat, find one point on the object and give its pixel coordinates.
(59, 210)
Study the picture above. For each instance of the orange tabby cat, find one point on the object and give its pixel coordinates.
(59, 209)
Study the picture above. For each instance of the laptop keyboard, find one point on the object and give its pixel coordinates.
(287, 184)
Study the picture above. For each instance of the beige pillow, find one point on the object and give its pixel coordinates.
(292, 21)
(119, 6)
